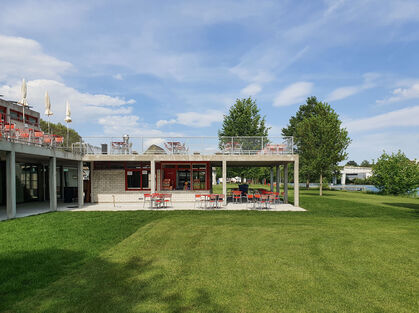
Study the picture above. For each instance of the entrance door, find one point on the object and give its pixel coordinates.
(170, 178)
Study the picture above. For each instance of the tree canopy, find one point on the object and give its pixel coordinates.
(61, 130)
(319, 137)
(351, 163)
(244, 119)
(395, 174)
(365, 163)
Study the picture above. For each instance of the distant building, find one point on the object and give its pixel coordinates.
(352, 172)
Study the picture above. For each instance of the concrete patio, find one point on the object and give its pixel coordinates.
(40, 207)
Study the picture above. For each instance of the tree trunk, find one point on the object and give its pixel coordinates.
(307, 184)
(321, 184)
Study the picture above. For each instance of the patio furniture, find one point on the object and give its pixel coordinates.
(176, 147)
(167, 197)
(212, 201)
(220, 201)
(147, 197)
(157, 200)
(198, 199)
(250, 199)
(237, 196)
(263, 201)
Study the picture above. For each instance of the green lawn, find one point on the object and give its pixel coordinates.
(351, 252)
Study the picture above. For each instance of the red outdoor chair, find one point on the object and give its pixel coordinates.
(237, 196)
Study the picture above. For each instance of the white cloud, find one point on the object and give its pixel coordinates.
(84, 106)
(162, 123)
(118, 76)
(251, 90)
(347, 91)
(293, 94)
(401, 118)
(21, 57)
(402, 94)
(194, 119)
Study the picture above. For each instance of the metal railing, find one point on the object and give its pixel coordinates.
(31, 134)
(186, 145)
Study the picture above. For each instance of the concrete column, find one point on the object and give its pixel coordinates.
(343, 179)
(11, 184)
(271, 179)
(286, 183)
(153, 176)
(278, 179)
(214, 176)
(296, 181)
(80, 196)
(225, 181)
(62, 182)
(52, 171)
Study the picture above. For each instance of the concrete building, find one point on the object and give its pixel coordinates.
(37, 167)
(12, 113)
(352, 172)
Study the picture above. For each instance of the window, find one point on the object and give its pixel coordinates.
(137, 175)
(133, 179)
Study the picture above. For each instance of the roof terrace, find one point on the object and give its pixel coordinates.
(260, 145)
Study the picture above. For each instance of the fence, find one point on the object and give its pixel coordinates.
(186, 145)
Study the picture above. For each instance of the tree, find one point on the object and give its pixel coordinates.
(305, 111)
(321, 141)
(395, 174)
(351, 163)
(243, 119)
(61, 130)
(365, 163)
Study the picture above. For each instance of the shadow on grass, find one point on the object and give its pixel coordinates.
(412, 206)
(24, 272)
(136, 285)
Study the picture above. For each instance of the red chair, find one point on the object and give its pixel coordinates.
(167, 197)
(59, 139)
(198, 199)
(220, 201)
(237, 196)
(47, 139)
(147, 197)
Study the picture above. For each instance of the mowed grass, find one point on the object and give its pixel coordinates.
(350, 252)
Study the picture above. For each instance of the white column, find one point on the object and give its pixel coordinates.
(296, 181)
(214, 176)
(11, 184)
(80, 196)
(153, 176)
(286, 183)
(278, 179)
(343, 179)
(52, 171)
(225, 181)
(271, 179)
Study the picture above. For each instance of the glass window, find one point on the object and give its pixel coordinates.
(145, 177)
(199, 166)
(133, 179)
(199, 178)
(184, 166)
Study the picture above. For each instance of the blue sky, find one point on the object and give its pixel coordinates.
(174, 67)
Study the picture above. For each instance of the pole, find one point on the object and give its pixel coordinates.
(67, 136)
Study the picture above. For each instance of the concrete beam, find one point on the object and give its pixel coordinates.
(153, 176)
(278, 179)
(11, 184)
(286, 183)
(80, 196)
(225, 181)
(296, 183)
(52, 171)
